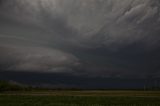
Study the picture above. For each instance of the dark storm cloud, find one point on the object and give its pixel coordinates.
(117, 38)
(56, 80)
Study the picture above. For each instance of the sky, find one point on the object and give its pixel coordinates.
(82, 41)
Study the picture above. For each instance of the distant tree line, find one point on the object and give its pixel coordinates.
(10, 86)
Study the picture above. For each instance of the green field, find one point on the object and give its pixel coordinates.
(81, 98)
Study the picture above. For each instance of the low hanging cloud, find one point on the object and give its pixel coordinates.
(108, 37)
(36, 59)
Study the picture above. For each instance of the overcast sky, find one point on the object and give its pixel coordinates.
(92, 38)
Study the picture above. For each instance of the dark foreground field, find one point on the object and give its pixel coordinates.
(81, 98)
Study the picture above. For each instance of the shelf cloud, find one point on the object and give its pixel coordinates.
(109, 38)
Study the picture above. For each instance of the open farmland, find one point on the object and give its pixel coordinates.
(81, 98)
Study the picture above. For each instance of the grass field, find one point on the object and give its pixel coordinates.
(81, 98)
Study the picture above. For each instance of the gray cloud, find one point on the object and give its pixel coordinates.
(91, 23)
(108, 37)
(35, 58)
